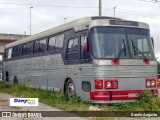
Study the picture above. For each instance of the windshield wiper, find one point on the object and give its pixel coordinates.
(135, 49)
(122, 49)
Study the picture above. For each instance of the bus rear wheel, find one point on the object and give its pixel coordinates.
(70, 89)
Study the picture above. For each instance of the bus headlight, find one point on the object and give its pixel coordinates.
(108, 85)
(111, 84)
(148, 83)
(153, 83)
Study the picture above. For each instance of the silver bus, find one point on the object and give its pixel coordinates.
(100, 59)
(0, 70)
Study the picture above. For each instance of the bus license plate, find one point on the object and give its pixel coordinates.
(132, 94)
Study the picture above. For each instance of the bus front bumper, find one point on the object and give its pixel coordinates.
(128, 95)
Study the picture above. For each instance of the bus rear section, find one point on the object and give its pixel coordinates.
(124, 65)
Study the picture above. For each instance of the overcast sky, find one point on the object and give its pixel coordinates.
(15, 18)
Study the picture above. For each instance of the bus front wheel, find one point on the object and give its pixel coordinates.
(70, 88)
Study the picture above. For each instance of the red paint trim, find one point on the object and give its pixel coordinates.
(115, 62)
(126, 95)
(146, 62)
(118, 95)
(99, 95)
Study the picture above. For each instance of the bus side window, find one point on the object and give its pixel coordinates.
(42, 47)
(6, 54)
(36, 47)
(56, 43)
(72, 49)
(51, 43)
(59, 42)
(14, 52)
(9, 53)
(24, 49)
(18, 52)
(27, 49)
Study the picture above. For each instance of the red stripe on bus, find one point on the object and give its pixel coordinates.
(99, 95)
(118, 95)
(126, 92)
(115, 62)
(126, 95)
(146, 62)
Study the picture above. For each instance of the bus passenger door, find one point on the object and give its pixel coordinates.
(72, 52)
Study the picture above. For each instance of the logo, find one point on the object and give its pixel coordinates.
(6, 114)
(23, 101)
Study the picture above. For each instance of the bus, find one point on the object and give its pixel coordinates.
(100, 59)
(0, 70)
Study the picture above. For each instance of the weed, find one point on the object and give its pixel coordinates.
(61, 101)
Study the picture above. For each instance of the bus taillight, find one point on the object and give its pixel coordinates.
(151, 82)
(111, 84)
(98, 84)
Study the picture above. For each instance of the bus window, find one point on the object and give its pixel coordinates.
(6, 54)
(40, 46)
(140, 43)
(72, 49)
(51, 43)
(24, 49)
(36, 47)
(9, 53)
(59, 42)
(16, 51)
(55, 43)
(143, 45)
(27, 49)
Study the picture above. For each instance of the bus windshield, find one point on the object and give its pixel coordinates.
(119, 42)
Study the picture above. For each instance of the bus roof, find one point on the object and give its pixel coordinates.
(77, 25)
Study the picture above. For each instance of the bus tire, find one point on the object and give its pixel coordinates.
(70, 89)
(15, 80)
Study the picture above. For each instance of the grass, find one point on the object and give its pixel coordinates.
(146, 103)
(55, 100)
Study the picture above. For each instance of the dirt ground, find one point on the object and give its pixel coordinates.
(4, 106)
